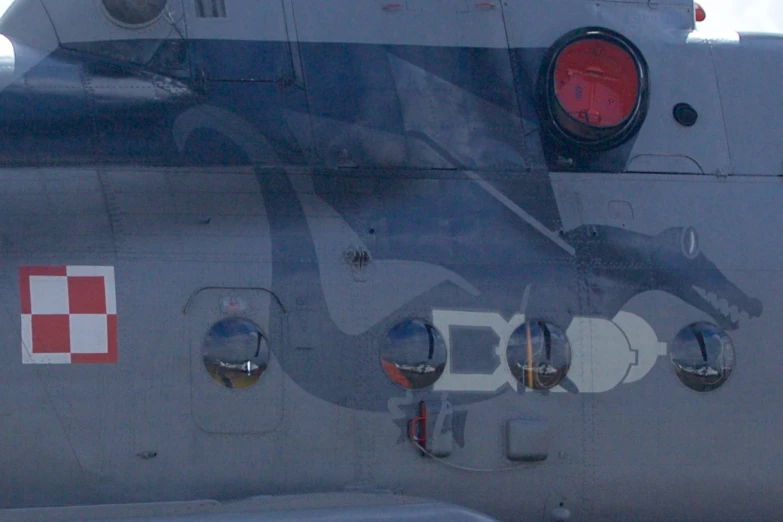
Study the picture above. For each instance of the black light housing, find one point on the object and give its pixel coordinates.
(134, 13)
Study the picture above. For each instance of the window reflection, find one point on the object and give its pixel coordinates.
(539, 355)
(702, 356)
(235, 352)
(413, 354)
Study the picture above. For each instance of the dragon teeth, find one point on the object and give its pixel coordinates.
(721, 304)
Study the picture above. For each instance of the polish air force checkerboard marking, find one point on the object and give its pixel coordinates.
(69, 314)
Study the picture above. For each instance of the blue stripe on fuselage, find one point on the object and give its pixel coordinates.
(365, 105)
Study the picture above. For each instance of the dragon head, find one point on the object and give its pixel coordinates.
(621, 264)
(685, 271)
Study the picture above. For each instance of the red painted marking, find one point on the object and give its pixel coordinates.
(392, 7)
(113, 340)
(87, 295)
(28, 271)
(88, 358)
(24, 293)
(485, 5)
(51, 334)
(597, 82)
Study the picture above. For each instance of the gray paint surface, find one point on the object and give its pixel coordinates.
(408, 139)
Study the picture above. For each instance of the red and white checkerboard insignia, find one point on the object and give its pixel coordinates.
(69, 314)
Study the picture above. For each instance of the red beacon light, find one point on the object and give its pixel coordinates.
(701, 14)
(594, 87)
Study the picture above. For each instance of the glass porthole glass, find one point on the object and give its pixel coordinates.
(235, 352)
(134, 13)
(539, 355)
(702, 356)
(413, 354)
(597, 82)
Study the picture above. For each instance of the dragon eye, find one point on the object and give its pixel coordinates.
(134, 13)
(690, 243)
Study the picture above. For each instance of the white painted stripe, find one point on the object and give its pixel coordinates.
(111, 291)
(89, 271)
(27, 339)
(50, 358)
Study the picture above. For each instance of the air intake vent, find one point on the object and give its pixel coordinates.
(211, 8)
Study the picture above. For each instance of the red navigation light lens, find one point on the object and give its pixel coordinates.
(597, 82)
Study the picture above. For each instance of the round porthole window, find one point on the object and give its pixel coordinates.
(539, 355)
(235, 352)
(134, 13)
(413, 354)
(702, 356)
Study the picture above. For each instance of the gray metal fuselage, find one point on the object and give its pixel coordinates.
(331, 169)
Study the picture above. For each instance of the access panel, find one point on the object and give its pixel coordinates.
(236, 339)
